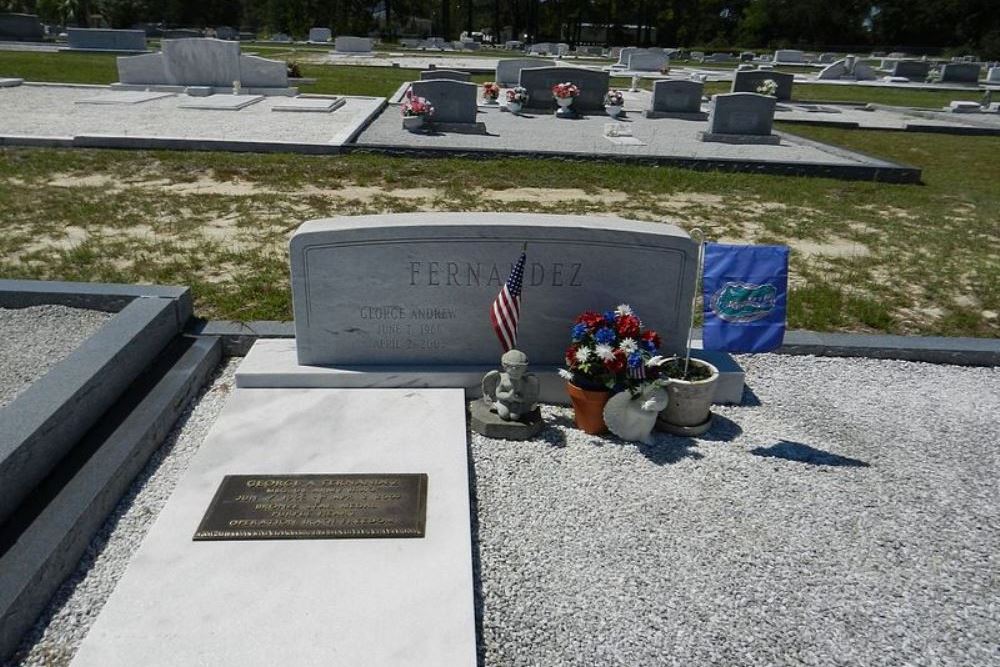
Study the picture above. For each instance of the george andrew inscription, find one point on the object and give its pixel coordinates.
(260, 507)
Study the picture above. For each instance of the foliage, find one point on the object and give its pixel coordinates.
(614, 98)
(414, 105)
(564, 90)
(610, 350)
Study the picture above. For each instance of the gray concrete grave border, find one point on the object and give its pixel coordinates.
(43, 423)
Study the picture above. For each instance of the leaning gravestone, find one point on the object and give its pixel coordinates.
(960, 72)
(454, 75)
(93, 39)
(320, 35)
(539, 81)
(911, 69)
(648, 61)
(349, 44)
(509, 71)
(453, 101)
(748, 81)
(677, 99)
(994, 75)
(21, 27)
(213, 63)
(741, 118)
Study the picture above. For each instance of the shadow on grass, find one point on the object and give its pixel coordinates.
(802, 453)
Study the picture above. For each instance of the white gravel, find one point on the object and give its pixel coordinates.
(76, 604)
(850, 518)
(34, 339)
(710, 552)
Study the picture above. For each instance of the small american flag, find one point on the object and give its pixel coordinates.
(506, 309)
(637, 373)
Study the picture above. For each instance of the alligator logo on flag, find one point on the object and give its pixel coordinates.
(745, 292)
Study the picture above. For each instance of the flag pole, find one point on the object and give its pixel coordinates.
(694, 298)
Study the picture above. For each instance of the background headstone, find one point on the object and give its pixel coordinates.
(349, 44)
(912, 69)
(960, 72)
(748, 81)
(539, 81)
(509, 70)
(994, 75)
(415, 289)
(741, 118)
(106, 40)
(676, 97)
(21, 27)
(182, 33)
(789, 56)
(227, 32)
(202, 62)
(648, 61)
(454, 75)
(453, 101)
(320, 35)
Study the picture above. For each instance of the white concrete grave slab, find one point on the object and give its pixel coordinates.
(309, 104)
(221, 102)
(10, 82)
(308, 602)
(126, 97)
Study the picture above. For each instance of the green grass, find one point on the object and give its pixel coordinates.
(99, 68)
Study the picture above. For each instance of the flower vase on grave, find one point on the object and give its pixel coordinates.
(614, 110)
(514, 107)
(689, 410)
(413, 123)
(588, 407)
(564, 110)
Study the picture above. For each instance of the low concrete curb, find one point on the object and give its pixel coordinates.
(237, 337)
(45, 421)
(44, 542)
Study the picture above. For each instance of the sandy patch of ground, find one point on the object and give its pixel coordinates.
(555, 195)
(835, 247)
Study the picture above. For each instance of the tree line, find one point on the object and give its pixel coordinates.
(913, 25)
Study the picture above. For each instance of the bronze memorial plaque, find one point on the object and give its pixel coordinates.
(275, 507)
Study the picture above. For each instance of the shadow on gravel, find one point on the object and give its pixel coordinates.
(802, 453)
(749, 399)
(670, 450)
(723, 430)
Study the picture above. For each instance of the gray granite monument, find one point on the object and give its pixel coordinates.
(647, 61)
(509, 70)
(538, 81)
(21, 28)
(749, 80)
(454, 75)
(349, 44)
(453, 101)
(320, 35)
(677, 99)
(789, 56)
(916, 70)
(92, 39)
(960, 73)
(741, 118)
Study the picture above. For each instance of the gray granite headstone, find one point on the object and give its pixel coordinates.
(539, 81)
(454, 75)
(106, 40)
(202, 62)
(321, 35)
(227, 32)
(509, 70)
(960, 72)
(827, 58)
(416, 289)
(749, 80)
(741, 118)
(994, 75)
(789, 56)
(625, 53)
(911, 69)
(453, 101)
(349, 44)
(280, 37)
(21, 27)
(671, 98)
(647, 61)
(182, 33)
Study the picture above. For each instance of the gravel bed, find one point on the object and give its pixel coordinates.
(846, 514)
(74, 607)
(37, 338)
(850, 519)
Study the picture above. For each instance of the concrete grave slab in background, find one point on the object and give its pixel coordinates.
(125, 97)
(416, 289)
(221, 102)
(309, 104)
(349, 44)
(10, 82)
(378, 602)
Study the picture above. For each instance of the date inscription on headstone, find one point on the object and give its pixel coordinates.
(274, 507)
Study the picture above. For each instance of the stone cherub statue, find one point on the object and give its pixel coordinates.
(513, 392)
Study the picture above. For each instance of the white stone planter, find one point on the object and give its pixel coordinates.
(413, 123)
(564, 102)
(514, 107)
(689, 411)
(614, 110)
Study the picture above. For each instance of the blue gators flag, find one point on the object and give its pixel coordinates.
(746, 293)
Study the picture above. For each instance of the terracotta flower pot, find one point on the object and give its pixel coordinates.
(588, 408)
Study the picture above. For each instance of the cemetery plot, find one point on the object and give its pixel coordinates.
(220, 102)
(125, 97)
(309, 104)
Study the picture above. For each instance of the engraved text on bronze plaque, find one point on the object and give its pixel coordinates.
(269, 507)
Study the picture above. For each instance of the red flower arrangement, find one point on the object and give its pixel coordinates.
(611, 351)
(491, 91)
(564, 90)
(414, 105)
